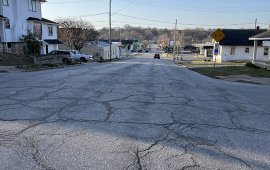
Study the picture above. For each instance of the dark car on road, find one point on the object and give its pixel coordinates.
(146, 50)
(157, 56)
(133, 50)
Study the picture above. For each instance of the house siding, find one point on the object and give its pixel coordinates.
(240, 54)
(18, 12)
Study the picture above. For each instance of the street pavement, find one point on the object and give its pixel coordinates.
(137, 113)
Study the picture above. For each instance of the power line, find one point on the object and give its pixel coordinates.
(82, 16)
(65, 2)
(221, 9)
(126, 6)
(178, 23)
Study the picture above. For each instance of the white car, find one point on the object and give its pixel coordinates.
(81, 57)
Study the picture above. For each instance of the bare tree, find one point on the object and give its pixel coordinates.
(76, 32)
(145, 43)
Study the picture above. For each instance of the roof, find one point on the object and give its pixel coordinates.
(205, 46)
(49, 21)
(42, 20)
(239, 37)
(101, 44)
(2, 17)
(55, 41)
(262, 36)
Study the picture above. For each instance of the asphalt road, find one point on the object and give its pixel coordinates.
(139, 113)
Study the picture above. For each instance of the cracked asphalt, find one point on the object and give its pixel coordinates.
(139, 113)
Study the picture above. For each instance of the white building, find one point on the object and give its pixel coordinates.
(237, 46)
(16, 16)
(105, 50)
(100, 47)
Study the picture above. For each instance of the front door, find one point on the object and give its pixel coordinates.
(47, 49)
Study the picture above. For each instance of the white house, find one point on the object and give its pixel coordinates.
(101, 47)
(105, 50)
(16, 16)
(205, 49)
(237, 46)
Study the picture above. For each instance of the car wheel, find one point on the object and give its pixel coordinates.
(65, 61)
(82, 59)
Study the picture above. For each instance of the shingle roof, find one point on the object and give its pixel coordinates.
(239, 37)
(53, 41)
(49, 21)
(2, 17)
(42, 20)
(265, 34)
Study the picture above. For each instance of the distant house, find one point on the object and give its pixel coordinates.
(265, 38)
(205, 49)
(237, 46)
(17, 16)
(97, 49)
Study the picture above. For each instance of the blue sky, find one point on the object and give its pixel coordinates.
(163, 14)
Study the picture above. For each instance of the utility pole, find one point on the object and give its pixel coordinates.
(256, 23)
(174, 40)
(181, 42)
(177, 52)
(110, 41)
(120, 43)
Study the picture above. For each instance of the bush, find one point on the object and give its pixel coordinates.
(49, 65)
(249, 64)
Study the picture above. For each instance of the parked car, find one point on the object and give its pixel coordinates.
(140, 50)
(146, 50)
(133, 50)
(81, 57)
(66, 56)
(157, 56)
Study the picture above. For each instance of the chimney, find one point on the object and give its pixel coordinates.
(258, 27)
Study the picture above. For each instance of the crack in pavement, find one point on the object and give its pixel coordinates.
(36, 155)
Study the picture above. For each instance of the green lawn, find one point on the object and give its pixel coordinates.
(232, 70)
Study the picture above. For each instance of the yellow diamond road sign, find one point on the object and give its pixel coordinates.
(218, 35)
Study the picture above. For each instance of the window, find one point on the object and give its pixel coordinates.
(50, 30)
(232, 51)
(37, 28)
(113, 52)
(265, 51)
(5, 2)
(32, 5)
(7, 25)
(246, 50)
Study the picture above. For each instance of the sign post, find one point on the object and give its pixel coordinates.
(216, 53)
(218, 35)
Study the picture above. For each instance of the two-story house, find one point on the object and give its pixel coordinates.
(16, 16)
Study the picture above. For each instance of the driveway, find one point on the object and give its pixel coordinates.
(138, 113)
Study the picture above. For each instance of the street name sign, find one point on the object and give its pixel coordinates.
(171, 43)
(218, 35)
(216, 49)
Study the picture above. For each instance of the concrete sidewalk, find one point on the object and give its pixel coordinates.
(10, 69)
